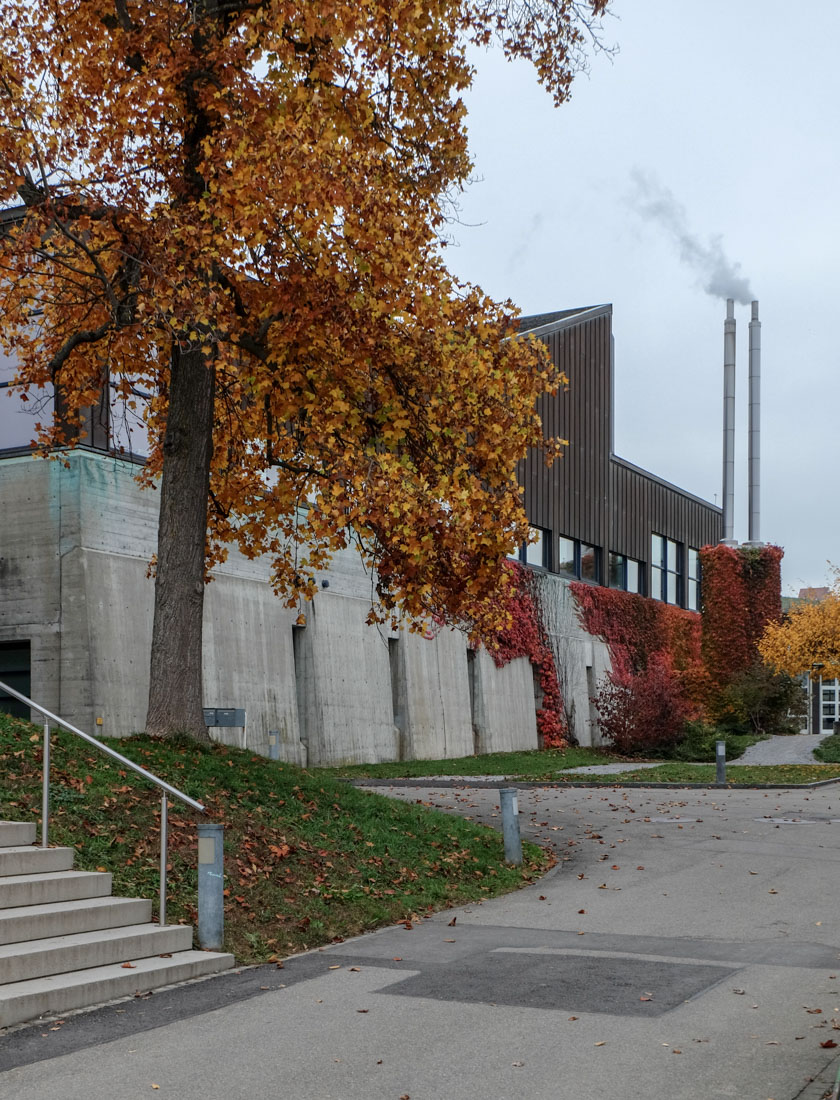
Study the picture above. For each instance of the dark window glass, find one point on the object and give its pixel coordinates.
(589, 570)
(617, 568)
(15, 670)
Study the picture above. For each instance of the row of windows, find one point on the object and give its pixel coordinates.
(674, 576)
(673, 579)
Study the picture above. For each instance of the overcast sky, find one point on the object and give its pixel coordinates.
(728, 111)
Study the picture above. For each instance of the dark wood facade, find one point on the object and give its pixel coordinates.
(591, 496)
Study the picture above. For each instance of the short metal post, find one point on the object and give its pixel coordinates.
(720, 763)
(45, 792)
(510, 824)
(274, 744)
(211, 884)
(164, 844)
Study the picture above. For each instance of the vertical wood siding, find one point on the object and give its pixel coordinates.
(590, 494)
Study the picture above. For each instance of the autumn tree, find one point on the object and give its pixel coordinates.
(235, 206)
(809, 635)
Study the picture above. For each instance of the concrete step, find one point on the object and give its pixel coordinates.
(22, 1001)
(39, 889)
(19, 962)
(65, 918)
(16, 832)
(26, 860)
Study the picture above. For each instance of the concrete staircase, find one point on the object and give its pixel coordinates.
(65, 942)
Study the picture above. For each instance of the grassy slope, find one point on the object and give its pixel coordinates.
(309, 859)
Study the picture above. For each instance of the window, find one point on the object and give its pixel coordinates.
(536, 552)
(665, 570)
(624, 572)
(566, 557)
(578, 560)
(692, 596)
(590, 565)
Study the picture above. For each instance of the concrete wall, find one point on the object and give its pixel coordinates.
(75, 543)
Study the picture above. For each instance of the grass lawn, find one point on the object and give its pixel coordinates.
(533, 764)
(705, 773)
(828, 749)
(551, 766)
(308, 859)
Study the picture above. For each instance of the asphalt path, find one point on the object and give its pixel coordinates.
(685, 948)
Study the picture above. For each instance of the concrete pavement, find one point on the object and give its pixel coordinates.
(686, 948)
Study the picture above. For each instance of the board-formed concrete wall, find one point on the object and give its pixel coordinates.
(75, 542)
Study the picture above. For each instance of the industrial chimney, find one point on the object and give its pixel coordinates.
(755, 429)
(729, 423)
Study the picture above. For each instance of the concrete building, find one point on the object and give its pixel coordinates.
(76, 603)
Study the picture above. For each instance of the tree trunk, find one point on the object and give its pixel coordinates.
(176, 689)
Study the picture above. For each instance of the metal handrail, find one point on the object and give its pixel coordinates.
(167, 788)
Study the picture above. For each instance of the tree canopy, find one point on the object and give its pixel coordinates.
(808, 636)
(235, 207)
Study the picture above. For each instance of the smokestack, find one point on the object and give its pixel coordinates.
(755, 428)
(729, 422)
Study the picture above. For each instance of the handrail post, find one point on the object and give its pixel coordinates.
(45, 792)
(164, 841)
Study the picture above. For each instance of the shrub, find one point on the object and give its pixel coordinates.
(758, 700)
(699, 739)
(642, 712)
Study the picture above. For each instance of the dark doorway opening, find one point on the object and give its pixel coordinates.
(16, 671)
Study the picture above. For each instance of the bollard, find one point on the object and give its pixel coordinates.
(274, 744)
(720, 763)
(211, 884)
(510, 824)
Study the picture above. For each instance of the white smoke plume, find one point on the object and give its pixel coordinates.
(720, 276)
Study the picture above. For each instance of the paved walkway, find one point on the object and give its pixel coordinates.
(796, 749)
(685, 948)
